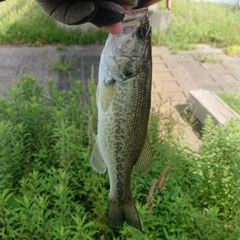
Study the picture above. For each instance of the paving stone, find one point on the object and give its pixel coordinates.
(234, 65)
(227, 66)
(218, 67)
(11, 61)
(81, 70)
(171, 87)
(224, 78)
(5, 83)
(155, 88)
(162, 51)
(194, 68)
(160, 67)
(185, 79)
(237, 74)
(157, 59)
(174, 97)
(182, 58)
(204, 80)
(155, 97)
(158, 51)
(215, 89)
(157, 85)
(8, 72)
(4, 87)
(163, 76)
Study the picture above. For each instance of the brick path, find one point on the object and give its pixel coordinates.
(175, 75)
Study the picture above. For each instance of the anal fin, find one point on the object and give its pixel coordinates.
(145, 160)
(97, 161)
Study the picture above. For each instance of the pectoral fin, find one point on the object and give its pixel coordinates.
(97, 161)
(107, 93)
(145, 161)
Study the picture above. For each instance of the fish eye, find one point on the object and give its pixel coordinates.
(141, 33)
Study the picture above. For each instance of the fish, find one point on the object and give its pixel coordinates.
(124, 101)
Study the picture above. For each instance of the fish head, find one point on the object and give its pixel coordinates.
(128, 52)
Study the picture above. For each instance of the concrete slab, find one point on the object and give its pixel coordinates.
(159, 19)
(204, 103)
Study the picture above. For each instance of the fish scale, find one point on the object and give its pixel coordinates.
(124, 99)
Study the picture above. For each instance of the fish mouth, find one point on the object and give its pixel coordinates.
(134, 14)
(137, 17)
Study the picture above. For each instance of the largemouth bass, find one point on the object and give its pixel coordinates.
(123, 100)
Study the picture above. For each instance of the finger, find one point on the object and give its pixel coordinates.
(68, 12)
(126, 7)
(108, 13)
(117, 27)
(146, 3)
(114, 28)
(130, 3)
(169, 4)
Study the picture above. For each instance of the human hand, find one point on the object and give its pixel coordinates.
(100, 13)
(106, 14)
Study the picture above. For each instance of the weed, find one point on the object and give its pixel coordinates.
(60, 47)
(60, 66)
(48, 189)
(232, 50)
(209, 58)
(188, 115)
(22, 21)
(200, 22)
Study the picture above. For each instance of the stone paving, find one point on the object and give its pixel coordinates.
(16, 61)
(174, 75)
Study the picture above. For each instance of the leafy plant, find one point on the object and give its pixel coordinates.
(60, 66)
(232, 99)
(60, 47)
(48, 189)
(209, 58)
(232, 50)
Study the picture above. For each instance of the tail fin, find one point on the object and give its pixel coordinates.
(118, 213)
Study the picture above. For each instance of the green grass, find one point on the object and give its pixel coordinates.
(48, 189)
(60, 47)
(59, 66)
(23, 22)
(209, 58)
(232, 99)
(200, 22)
